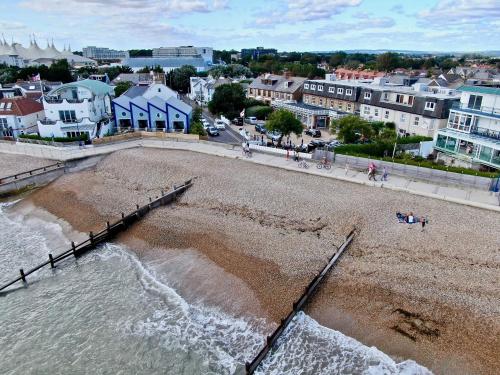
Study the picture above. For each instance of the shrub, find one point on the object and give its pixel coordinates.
(261, 112)
(197, 128)
(83, 137)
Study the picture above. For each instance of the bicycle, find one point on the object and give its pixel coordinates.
(303, 164)
(324, 164)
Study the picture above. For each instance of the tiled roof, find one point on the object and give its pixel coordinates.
(296, 83)
(19, 106)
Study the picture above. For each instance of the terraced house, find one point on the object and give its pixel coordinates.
(472, 134)
(271, 87)
(341, 96)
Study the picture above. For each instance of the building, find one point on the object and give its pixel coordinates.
(310, 115)
(472, 134)
(11, 60)
(202, 89)
(140, 78)
(34, 55)
(166, 63)
(255, 53)
(77, 108)
(206, 53)
(415, 110)
(104, 54)
(271, 87)
(344, 74)
(19, 115)
(151, 108)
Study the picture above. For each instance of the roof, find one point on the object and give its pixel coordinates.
(135, 91)
(97, 87)
(135, 78)
(278, 85)
(20, 106)
(481, 90)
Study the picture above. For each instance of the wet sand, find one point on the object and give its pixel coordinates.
(430, 296)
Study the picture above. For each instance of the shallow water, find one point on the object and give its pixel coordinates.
(110, 313)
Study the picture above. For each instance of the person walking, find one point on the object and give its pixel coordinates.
(422, 221)
(384, 174)
(346, 168)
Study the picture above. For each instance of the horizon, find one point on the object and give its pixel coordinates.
(300, 26)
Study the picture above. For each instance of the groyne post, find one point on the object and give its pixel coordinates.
(23, 276)
(73, 248)
(51, 260)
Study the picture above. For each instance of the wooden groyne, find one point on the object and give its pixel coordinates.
(18, 176)
(309, 291)
(107, 233)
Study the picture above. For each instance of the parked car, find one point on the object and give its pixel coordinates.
(219, 124)
(238, 121)
(315, 133)
(314, 144)
(332, 143)
(206, 125)
(251, 120)
(275, 136)
(260, 129)
(213, 131)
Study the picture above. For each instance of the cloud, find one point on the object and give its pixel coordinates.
(460, 12)
(304, 10)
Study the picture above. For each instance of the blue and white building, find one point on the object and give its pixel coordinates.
(77, 108)
(472, 134)
(151, 108)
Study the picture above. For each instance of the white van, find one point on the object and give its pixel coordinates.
(251, 120)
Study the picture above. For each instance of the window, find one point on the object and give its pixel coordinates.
(376, 112)
(416, 121)
(340, 90)
(403, 116)
(475, 102)
(386, 96)
(366, 110)
(348, 91)
(2, 106)
(429, 106)
(313, 87)
(386, 114)
(460, 122)
(368, 95)
(158, 115)
(400, 98)
(410, 100)
(124, 114)
(3, 122)
(332, 90)
(67, 116)
(349, 107)
(320, 101)
(320, 87)
(306, 86)
(9, 106)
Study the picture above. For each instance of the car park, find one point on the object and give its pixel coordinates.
(219, 124)
(315, 133)
(260, 129)
(213, 131)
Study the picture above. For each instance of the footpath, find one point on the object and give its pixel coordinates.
(456, 194)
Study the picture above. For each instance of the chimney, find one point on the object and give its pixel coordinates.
(287, 74)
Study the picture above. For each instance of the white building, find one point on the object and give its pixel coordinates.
(206, 53)
(151, 108)
(472, 134)
(202, 89)
(77, 108)
(102, 53)
(19, 115)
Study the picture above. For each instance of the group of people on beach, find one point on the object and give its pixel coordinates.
(411, 219)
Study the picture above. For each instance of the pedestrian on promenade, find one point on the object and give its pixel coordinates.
(384, 174)
(346, 168)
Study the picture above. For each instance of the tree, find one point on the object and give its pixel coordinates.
(228, 99)
(284, 122)
(337, 58)
(197, 128)
(387, 61)
(352, 128)
(121, 87)
(178, 79)
(60, 71)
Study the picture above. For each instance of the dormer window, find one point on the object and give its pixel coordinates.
(313, 87)
(332, 90)
(348, 92)
(367, 96)
(320, 87)
(340, 91)
(429, 106)
(306, 86)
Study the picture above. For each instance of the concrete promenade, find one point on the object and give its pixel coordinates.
(459, 195)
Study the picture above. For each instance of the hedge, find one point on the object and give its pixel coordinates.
(83, 137)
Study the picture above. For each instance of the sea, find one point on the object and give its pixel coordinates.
(108, 312)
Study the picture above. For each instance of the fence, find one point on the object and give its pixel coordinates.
(106, 234)
(421, 173)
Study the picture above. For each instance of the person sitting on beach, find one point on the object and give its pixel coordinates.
(411, 218)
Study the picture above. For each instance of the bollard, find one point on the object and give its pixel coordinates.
(73, 247)
(91, 238)
(23, 276)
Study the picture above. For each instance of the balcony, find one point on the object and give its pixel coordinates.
(57, 100)
(483, 111)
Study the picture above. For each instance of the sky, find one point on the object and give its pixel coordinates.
(288, 25)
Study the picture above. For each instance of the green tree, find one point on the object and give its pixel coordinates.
(387, 61)
(197, 115)
(60, 71)
(337, 59)
(228, 99)
(197, 128)
(284, 122)
(178, 79)
(121, 87)
(352, 128)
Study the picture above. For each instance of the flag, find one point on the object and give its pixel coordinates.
(242, 114)
(36, 78)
